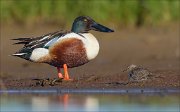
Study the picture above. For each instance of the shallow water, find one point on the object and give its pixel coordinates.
(89, 102)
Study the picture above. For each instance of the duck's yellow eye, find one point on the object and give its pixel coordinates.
(85, 20)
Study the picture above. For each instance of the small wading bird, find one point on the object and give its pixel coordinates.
(137, 73)
(64, 49)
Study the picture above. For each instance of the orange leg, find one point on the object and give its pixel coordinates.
(59, 73)
(66, 75)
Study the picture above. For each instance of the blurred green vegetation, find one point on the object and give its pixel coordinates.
(119, 12)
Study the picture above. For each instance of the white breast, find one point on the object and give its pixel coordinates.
(91, 45)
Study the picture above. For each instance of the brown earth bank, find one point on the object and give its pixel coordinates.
(155, 48)
(162, 79)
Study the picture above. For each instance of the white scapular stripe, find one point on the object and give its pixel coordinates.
(44, 38)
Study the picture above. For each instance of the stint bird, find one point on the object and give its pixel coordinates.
(137, 73)
(64, 49)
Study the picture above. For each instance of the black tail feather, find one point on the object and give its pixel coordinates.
(20, 43)
(23, 40)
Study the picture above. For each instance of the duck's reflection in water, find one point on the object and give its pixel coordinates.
(40, 103)
(65, 102)
(91, 104)
(78, 102)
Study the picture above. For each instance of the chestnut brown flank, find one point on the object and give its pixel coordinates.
(68, 51)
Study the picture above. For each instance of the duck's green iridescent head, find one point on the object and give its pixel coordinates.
(83, 24)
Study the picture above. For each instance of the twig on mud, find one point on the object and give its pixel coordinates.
(51, 82)
(117, 83)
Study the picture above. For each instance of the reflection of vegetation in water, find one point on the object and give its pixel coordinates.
(141, 99)
(129, 12)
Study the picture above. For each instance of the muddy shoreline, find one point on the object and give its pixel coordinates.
(157, 49)
(116, 81)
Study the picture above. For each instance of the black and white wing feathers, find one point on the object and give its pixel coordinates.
(38, 42)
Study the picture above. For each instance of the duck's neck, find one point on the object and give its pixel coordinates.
(77, 29)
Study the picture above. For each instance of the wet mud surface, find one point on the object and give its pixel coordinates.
(116, 81)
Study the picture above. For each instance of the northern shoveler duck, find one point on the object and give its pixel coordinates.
(64, 49)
